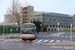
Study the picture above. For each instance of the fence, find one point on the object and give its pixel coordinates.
(7, 29)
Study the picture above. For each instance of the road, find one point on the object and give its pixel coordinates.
(17, 44)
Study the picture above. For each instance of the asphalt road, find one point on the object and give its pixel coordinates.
(17, 44)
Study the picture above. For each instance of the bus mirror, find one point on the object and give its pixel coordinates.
(35, 27)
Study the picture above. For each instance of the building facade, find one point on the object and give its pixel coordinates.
(51, 20)
(26, 10)
(36, 16)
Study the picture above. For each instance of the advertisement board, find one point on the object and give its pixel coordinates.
(20, 10)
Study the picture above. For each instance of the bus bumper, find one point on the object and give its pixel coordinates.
(27, 37)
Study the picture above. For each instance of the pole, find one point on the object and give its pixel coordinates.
(3, 29)
(58, 28)
(71, 32)
(47, 30)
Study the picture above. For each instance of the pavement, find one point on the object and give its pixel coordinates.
(7, 36)
(66, 43)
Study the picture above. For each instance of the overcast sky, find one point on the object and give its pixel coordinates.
(57, 6)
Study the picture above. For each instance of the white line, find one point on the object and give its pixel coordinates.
(69, 36)
(39, 41)
(58, 41)
(66, 36)
(63, 40)
(35, 39)
(62, 36)
(51, 41)
(45, 40)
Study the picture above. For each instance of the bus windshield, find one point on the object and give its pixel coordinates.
(27, 30)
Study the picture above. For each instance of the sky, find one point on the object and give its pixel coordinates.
(57, 6)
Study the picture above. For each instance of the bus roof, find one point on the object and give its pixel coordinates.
(30, 23)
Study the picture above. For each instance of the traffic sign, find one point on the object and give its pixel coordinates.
(11, 29)
(40, 24)
(58, 23)
(16, 28)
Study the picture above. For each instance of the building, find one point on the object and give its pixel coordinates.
(48, 18)
(36, 16)
(26, 10)
(51, 20)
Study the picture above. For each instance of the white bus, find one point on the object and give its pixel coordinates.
(28, 31)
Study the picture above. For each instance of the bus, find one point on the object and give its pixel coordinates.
(28, 31)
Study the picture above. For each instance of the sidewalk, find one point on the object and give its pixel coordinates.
(6, 36)
(66, 43)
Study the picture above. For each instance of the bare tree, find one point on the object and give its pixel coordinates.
(14, 12)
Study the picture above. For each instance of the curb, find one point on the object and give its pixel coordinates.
(57, 44)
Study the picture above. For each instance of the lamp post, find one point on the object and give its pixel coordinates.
(58, 28)
(46, 27)
(3, 29)
(40, 26)
(71, 32)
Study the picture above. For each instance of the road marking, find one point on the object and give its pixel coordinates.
(58, 41)
(66, 36)
(45, 40)
(39, 40)
(51, 41)
(64, 40)
(69, 36)
(62, 36)
(35, 39)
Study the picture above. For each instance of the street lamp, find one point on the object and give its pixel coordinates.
(3, 29)
(46, 27)
(40, 26)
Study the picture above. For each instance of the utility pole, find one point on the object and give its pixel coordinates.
(3, 29)
(71, 32)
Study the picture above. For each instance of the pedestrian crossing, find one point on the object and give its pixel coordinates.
(36, 40)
